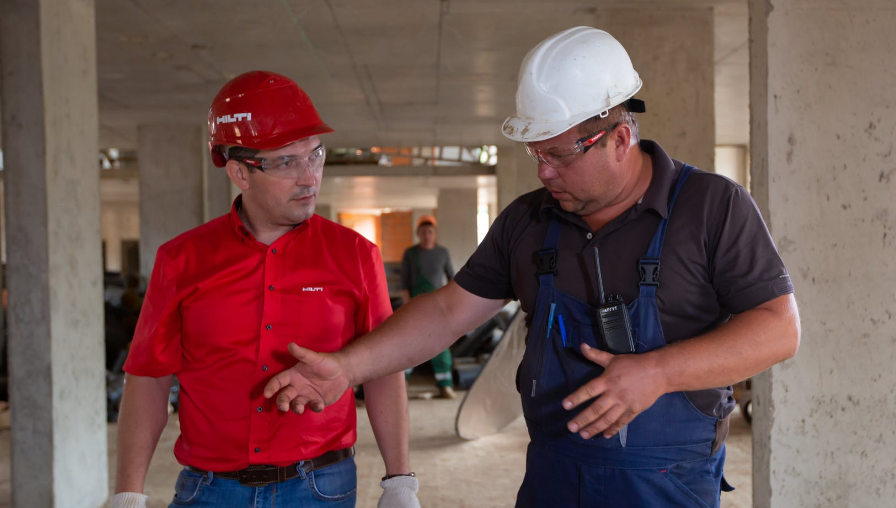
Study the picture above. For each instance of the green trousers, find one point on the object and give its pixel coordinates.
(441, 365)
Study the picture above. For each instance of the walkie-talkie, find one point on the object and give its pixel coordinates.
(612, 315)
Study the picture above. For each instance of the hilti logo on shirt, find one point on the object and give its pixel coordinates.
(236, 117)
(309, 288)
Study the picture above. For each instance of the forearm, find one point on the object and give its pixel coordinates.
(405, 296)
(418, 331)
(746, 345)
(143, 415)
(387, 408)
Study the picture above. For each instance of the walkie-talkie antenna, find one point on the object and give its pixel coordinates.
(600, 280)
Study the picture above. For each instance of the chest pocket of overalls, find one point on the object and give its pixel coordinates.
(553, 365)
(574, 367)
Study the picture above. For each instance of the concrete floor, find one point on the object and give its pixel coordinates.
(453, 473)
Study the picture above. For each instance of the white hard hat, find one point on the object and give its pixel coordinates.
(568, 78)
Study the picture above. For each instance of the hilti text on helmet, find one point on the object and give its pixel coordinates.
(236, 117)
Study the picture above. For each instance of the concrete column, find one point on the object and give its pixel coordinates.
(732, 161)
(516, 174)
(172, 162)
(111, 236)
(215, 189)
(672, 50)
(49, 108)
(3, 363)
(457, 223)
(824, 175)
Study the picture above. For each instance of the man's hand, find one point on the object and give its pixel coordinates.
(128, 500)
(316, 381)
(399, 492)
(629, 385)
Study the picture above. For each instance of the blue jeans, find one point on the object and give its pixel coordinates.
(333, 486)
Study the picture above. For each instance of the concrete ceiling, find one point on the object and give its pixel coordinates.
(386, 72)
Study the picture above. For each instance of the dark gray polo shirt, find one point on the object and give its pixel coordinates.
(434, 264)
(718, 258)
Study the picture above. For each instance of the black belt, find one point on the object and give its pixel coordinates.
(261, 475)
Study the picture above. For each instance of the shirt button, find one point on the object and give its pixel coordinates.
(259, 409)
(589, 236)
(268, 327)
(274, 251)
(257, 450)
(264, 367)
(271, 288)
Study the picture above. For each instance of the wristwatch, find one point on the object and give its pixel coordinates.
(388, 476)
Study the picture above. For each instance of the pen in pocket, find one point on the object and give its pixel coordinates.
(562, 328)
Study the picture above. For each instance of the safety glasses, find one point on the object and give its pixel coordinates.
(289, 166)
(557, 158)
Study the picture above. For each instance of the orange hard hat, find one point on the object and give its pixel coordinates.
(260, 110)
(426, 218)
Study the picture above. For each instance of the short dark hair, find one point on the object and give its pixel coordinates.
(617, 115)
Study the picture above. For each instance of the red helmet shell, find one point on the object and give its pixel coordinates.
(260, 110)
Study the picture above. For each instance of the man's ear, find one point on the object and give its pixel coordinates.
(238, 174)
(623, 141)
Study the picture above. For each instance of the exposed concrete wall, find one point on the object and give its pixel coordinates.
(516, 173)
(457, 223)
(49, 107)
(172, 163)
(672, 50)
(823, 104)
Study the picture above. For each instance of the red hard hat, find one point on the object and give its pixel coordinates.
(260, 110)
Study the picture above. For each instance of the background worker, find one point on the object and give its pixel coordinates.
(710, 302)
(224, 300)
(426, 267)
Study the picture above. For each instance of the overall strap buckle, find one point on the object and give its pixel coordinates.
(546, 262)
(650, 271)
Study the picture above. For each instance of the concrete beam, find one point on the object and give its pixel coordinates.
(374, 170)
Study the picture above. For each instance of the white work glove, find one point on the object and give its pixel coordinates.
(399, 492)
(128, 500)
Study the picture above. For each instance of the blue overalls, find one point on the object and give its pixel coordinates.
(666, 460)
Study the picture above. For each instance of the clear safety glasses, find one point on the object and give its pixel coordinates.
(557, 158)
(289, 167)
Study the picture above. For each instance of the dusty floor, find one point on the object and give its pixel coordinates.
(453, 473)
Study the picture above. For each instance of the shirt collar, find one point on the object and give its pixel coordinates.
(664, 170)
(657, 195)
(236, 225)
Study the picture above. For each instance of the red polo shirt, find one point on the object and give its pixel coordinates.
(221, 308)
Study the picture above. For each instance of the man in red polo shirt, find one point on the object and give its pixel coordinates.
(224, 301)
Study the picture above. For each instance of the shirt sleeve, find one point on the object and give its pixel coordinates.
(406, 270)
(156, 348)
(747, 270)
(375, 306)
